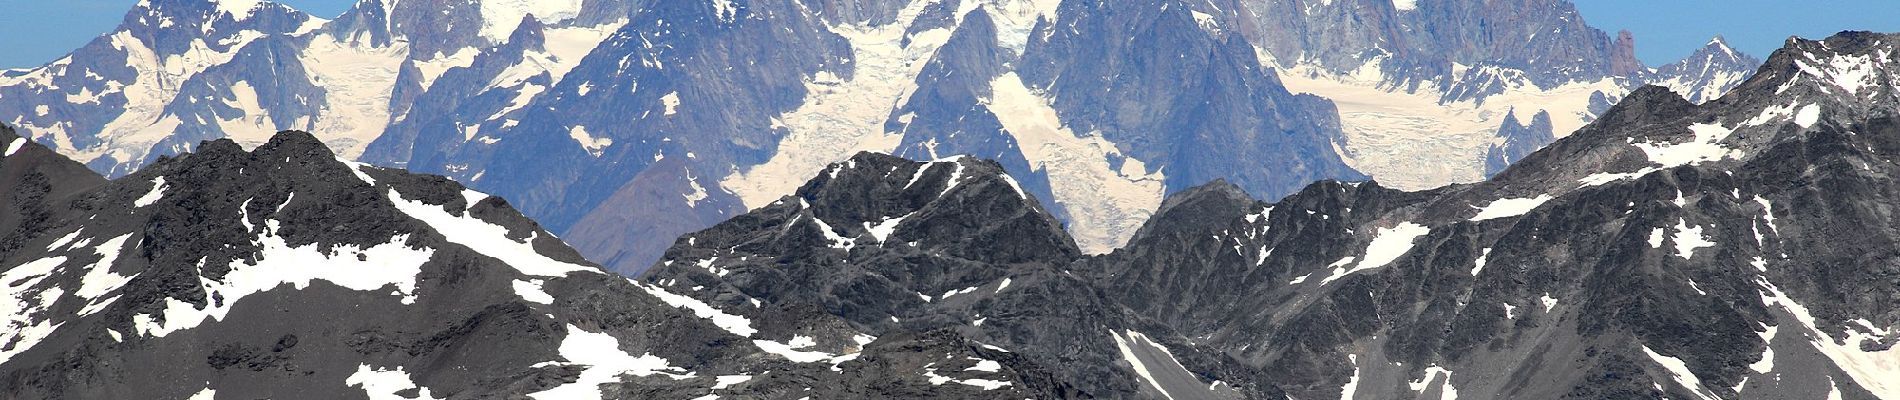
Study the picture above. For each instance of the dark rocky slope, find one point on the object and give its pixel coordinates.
(282, 272)
(1741, 248)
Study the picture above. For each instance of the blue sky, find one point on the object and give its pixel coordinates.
(33, 32)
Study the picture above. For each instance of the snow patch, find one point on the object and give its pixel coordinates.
(737, 325)
(485, 238)
(726, 381)
(594, 146)
(1808, 115)
(1446, 391)
(1680, 371)
(382, 384)
(1705, 147)
(157, 192)
(1352, 383)
(530, 290)
(605, 362)
(1385, 248)
(393, 264)
(14, 146)
(1483, 258)
(21, 301)
(500, 18)
(1510, 208)
(1689, 238)
(99, 279)
(672, 102)
(1134, 361)
(1873, 370)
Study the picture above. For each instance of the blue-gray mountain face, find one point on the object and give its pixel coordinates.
(621, 124)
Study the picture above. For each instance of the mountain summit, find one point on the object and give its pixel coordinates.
(283, 272)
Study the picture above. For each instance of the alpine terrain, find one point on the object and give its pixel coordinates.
(620, 124)
(1737, 248)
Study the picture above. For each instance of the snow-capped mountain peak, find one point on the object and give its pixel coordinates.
(1710, 72)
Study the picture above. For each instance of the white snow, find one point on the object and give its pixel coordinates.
(1411, 140)
(500, 18)
(726, 381)
(530, 290)
(382, 384)
(1106, 205)
(605, 363)
(1808, 115)
(207, 394)
(946, 295)
(239, 9)
(435, 67)
(884, 229)
(1767, 362)
(1705, 147)
(157, 192)
(21, 301)
(1510, 311)
(1549, 302)
(737, 325)
(1141, 369)
(1689, 238)
(1352, 383)
(485, 238)
(385, 265)
(1768, 213)
(358, 82)
(985, 384)
(791, 352)
(672, 102)
(64, 240)
(987, 366)
(1680, 371)
(14, 146)
(356, 168)
(594, 146)
(1770, 114)
(1872, 370)
(698, 192)
(1849, 72)
(842, 117)
(1385, 248)
(1656, 238)
(1482, 259)
(1005, 284)
(1505, 208)
(1446, 391)
(99, 279)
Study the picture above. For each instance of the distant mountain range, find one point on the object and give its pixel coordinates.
(620, 123)
(1738, 248)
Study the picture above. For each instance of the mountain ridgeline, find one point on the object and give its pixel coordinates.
(620, 124)
(1738, 248)
(1733, 249)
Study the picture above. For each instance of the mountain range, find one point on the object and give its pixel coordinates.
(1737, 248)
(622, 123)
